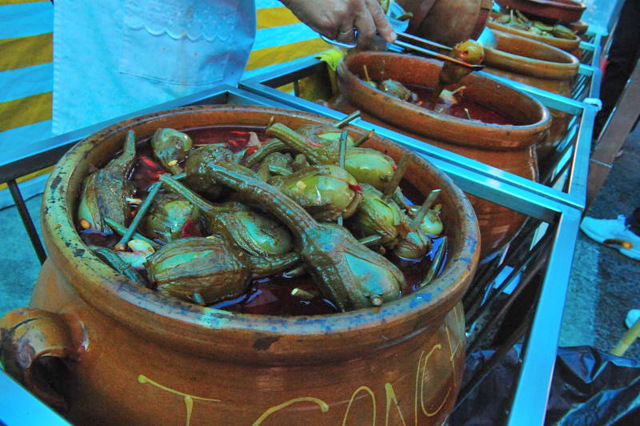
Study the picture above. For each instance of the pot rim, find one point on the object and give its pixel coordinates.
(528, 65)
(111, 292)
(484, 134)
(563, 10)
(568, 45)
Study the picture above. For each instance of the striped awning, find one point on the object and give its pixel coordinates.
(26, 69)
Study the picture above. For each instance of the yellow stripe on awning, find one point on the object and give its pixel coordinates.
(275, 17)
(39, 48)
(23, 111)
(29, 176)
(7, 2)
(288, 52)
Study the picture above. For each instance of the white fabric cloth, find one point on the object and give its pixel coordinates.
(114, 57)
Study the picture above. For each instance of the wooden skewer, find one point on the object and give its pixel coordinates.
(122, 244)
(397, 175)
(348, 119)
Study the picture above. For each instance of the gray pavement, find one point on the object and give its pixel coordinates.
(604, 284)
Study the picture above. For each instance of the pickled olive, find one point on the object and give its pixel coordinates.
(168, 216)
(275, 164)
(170, 147)
(370, 166)
(207, 266)
(516, 19)
(105, 192)
(366, 165)
(257, 233)
(376, 216)
(253, 232)
(345, 270)
(468, 51)
(326, 192)
(412, 245)
(432, 223)
(192, 167)
(563, 32)
(398, 90)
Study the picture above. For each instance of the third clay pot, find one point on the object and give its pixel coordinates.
(508, 147)
(539, 65)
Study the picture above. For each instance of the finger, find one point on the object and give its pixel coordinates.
(383, 26)
(366, 27)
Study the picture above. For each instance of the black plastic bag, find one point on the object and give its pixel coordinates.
(589, 387)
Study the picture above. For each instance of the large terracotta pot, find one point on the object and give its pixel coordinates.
(571, 45)
(557, 10)
(508, 147)
(447, 22)
(538, 65)
(123, 354)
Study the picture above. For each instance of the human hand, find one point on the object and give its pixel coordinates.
(337, 19)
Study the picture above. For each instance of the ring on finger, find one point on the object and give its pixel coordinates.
(349, 31)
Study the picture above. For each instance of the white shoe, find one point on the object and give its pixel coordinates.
(613, 233)
(632, 316)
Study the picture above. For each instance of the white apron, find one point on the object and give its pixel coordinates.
(113, 57)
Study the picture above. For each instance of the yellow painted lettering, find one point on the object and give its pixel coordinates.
(391, 397)
(353, 397)
(324, 407)
(188, 399)
(421, 376)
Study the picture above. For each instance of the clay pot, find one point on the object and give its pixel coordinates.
(508, 147)
(571, 45)
(538, 65)
(557, 10)
(124, 354)
(447, 22)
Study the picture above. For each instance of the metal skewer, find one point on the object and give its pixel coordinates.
(408, 46)
(430, 44)
(437, 55)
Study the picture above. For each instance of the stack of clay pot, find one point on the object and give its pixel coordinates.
(539, 65)
(447, 22)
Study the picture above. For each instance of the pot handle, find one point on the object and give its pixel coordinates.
(35, 346)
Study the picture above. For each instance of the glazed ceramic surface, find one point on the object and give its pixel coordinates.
(538, 65)
(560, 10)
(447, 22)
(105, 351)
(508, 147)
(571, 45)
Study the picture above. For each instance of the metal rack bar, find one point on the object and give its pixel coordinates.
(540, 349)
(27, 221)
(18, 407)
(614, 134)
(17, 161)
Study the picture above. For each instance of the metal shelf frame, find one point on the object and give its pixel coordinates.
(548, 209)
